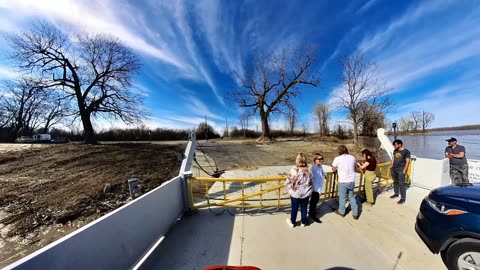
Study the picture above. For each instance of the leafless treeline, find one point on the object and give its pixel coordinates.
(416, 121)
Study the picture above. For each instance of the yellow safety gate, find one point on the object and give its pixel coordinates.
(262, 192)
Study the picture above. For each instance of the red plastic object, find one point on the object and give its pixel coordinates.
(228, 267)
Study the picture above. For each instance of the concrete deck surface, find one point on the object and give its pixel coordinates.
(383, 238)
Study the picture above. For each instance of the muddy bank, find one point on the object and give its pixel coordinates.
(47, 192)
(249, 154)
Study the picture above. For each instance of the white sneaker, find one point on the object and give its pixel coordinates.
(289, 223)
(303, 225)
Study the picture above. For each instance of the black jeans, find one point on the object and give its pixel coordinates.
(313, 204)
(399, 182)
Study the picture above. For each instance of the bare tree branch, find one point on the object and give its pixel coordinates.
(361, 85)
(96, 70)
(272, 84)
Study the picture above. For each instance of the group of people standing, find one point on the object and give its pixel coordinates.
(305, 183)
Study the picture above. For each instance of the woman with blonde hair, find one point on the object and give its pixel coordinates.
(299, 185)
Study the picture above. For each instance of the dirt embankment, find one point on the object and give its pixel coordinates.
(235, 154)
(328, 147)
(64, 186)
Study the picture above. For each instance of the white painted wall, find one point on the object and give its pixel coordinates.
(474, 171)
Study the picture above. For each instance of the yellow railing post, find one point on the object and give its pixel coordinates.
(224, 191)
(279, 193)
(207, 194)
(261, 194)
(190, 193)
(243, 193)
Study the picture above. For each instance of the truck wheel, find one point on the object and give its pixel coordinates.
(464, 255)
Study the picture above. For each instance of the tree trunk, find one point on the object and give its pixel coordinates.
(265, 127)
(45, 128)
(355, 129)
(89, 133)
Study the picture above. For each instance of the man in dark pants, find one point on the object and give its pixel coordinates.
(398, 169)
(458, 161)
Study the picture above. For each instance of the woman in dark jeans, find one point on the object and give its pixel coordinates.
(368, 167)
(299, 185)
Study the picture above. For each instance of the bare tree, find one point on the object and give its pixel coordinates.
(388, 124)
(292, 118)
(361, 84)
(416, 118)
(96, 71)
(305, 128)
(6, 114)
(272, 83)
(405, 124)
(427, 119)
(206, 130)
(22, 104)
(244, 122)
(4, 119)
(55, 110)
(322, 114)
(370, 119)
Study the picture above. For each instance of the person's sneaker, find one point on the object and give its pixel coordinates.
(317, 220)
(338, 213)
(401, 201)
(394, 196)
(303, 225)
(289, 223)
(355, 217)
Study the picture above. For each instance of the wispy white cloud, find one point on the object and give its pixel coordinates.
(417, 49)
(93, 17)
(369, 4)
(180, 17)
(341, 48)
(7, 73)
(197, 107)
(217, 27)
(407, 53)
(378, 40)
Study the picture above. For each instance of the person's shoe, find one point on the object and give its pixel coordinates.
(368, 204)
(303, 225)
(317, 220)
(355, 217)
(394, 196)
(338, 213)
(289, 223)
(401, 201)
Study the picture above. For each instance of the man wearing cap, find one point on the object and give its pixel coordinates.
(458, 161)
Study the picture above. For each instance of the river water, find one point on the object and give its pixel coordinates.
(432, 145)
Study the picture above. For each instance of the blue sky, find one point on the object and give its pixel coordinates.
(428, 52)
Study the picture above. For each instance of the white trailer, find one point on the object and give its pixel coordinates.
(42, 138)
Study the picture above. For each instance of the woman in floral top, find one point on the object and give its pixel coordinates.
(299, 184)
